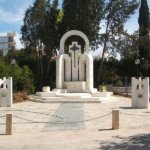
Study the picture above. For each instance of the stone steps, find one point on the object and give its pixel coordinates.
(67, 100)
(102, 94)
(57, 97)
(46, 94)
(74, 95)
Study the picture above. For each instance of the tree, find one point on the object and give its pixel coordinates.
(22, 76)
(40, 35)
(144, 41)
(110, 70)
(143, 19)
(84, 16)
(112, 39)
(127, 66)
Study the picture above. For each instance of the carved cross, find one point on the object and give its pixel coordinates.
(74, 48)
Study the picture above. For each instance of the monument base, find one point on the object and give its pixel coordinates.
(75, 86)
(62, 95)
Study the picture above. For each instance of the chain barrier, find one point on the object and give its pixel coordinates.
(22, 118)
(130, 114)
(87, 120)
(61, 121)
(2, 116)
(46, 114)
(57, 122)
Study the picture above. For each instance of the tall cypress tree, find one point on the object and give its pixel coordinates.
(144, 48)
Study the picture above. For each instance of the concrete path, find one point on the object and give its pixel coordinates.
(68, 113)
(75, 126)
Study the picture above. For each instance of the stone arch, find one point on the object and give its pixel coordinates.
(70, 33)
(63, 73)
(88, 60)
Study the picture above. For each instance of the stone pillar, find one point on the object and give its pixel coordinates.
(59, 71)
(115, 119)
(8, 124)
(6, 93)
(90, 72)
(82, 62)
(140, 92)
(67, 71)
(88, 60)
(62, 74)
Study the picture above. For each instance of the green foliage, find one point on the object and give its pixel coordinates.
(23, 58)
(117, 12)
(110, 71)
(119, 83)
(102, 88)
(22, 77)
(143, 18)
(84, 16)
(144, 28)
(44, 24)
(40, 35)
(127, 66)
(39, 31)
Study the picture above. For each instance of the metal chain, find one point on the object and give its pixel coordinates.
(130, 114)
(74, 122)
(36, 113)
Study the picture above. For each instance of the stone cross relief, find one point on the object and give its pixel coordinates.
(75, 50)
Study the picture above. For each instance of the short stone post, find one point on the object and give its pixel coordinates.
(8, 124)
(115, 119)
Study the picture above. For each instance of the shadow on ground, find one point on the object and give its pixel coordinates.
(127, 108)
(138, 142)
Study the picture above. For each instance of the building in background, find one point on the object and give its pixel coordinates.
(7, 43)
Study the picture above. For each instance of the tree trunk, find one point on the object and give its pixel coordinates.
(100, 71)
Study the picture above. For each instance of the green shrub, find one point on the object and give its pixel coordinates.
(119, 83)
(22, 76)
(102, 88)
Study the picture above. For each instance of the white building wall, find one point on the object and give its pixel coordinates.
(7, 43)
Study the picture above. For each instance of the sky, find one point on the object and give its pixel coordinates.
(12, 14)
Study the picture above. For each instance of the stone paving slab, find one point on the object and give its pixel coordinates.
(41, 117)
(70, 114)
(32, 129)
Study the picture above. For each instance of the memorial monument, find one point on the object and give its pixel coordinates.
(74, 73)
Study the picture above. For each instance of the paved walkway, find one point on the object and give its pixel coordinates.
(68, 113)
(75, 126)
